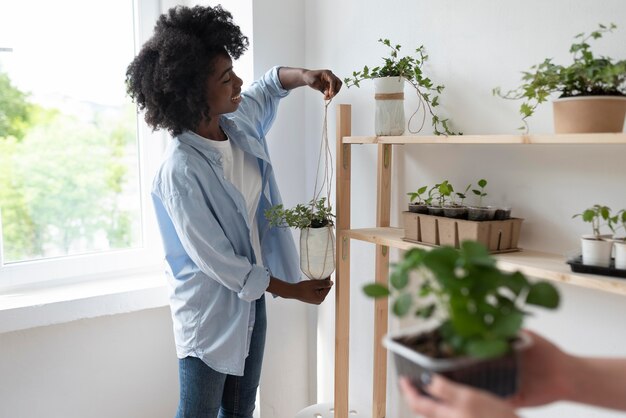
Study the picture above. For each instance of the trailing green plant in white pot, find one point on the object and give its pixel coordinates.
(596, 248)
(476, 339)
(317, 236)
(592, 90)
(389, 84)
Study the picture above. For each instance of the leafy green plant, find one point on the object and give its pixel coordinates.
(314, 215)
(463, 195)
(620, 219)
(445, 190)
(483, 307)
(410, 68)
(595, 215)
(418, 195)
(480, 193)
(588, 75)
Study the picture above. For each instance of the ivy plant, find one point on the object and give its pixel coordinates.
(483, 307)
(314, 215)
(410, 68)
(588, 75)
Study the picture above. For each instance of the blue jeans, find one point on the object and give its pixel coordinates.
(205, 393)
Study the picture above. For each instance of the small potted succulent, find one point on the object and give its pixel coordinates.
(419, 206)
(389, 84)
(592, 90)
(477, 310)
(480, 212)
(317, 238)
(596, 248)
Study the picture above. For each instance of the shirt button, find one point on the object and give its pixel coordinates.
(250, 328)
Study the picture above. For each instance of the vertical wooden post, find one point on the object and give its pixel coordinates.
(342, 274)
(383, 213)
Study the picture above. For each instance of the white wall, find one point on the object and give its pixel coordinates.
(121, 366)
(473, 47)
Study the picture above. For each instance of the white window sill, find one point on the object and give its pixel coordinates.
(34, 306)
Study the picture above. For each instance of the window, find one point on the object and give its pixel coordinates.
(76, 160)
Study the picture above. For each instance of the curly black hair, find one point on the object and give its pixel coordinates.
(168, 77)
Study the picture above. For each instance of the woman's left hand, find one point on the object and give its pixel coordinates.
(323, 80)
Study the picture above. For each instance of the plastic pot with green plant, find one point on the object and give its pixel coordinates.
(474, 310)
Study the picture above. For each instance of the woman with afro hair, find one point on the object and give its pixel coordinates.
(210, 194)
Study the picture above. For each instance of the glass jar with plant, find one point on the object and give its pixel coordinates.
(474, 314)
(591, 90)
(389, 84)
(419, 206)
(453, 209)
(437, 197)
(480, 212)
(317, 239)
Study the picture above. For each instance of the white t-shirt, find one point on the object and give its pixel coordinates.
(243, 171)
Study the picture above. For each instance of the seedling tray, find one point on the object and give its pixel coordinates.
(577, 266)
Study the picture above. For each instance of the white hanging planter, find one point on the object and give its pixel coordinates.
(389, 106)
(596, 250)
(317, 252)
(620, 254)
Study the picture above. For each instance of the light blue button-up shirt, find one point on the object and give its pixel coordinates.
(214, 278)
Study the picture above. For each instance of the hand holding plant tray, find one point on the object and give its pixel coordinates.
(481, 311)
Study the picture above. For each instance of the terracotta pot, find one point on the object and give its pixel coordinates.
(389, 106)
(589, 114)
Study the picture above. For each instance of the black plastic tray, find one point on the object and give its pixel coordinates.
(577, 266)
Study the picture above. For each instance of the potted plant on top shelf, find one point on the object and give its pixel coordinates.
(317, 238)
(477, 310)
(389, 84)
(596, 248)
(591, 90)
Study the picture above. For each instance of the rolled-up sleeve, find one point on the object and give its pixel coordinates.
(260, 100)
(205, 242)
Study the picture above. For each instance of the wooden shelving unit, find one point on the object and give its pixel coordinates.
(532, 263)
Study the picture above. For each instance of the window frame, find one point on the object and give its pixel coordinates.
(148, 255)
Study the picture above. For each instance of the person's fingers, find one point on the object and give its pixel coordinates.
(422, 404)
(444, 389)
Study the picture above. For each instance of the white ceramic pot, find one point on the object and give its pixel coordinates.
(596, 252)
(317, 252)
(389, 106)
(620, 254)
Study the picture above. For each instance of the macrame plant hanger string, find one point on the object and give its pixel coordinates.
(326, 182)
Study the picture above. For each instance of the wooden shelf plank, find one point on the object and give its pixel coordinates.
(532, 263)
(580, 139)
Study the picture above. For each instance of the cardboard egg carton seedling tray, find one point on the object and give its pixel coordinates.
(498, 236)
